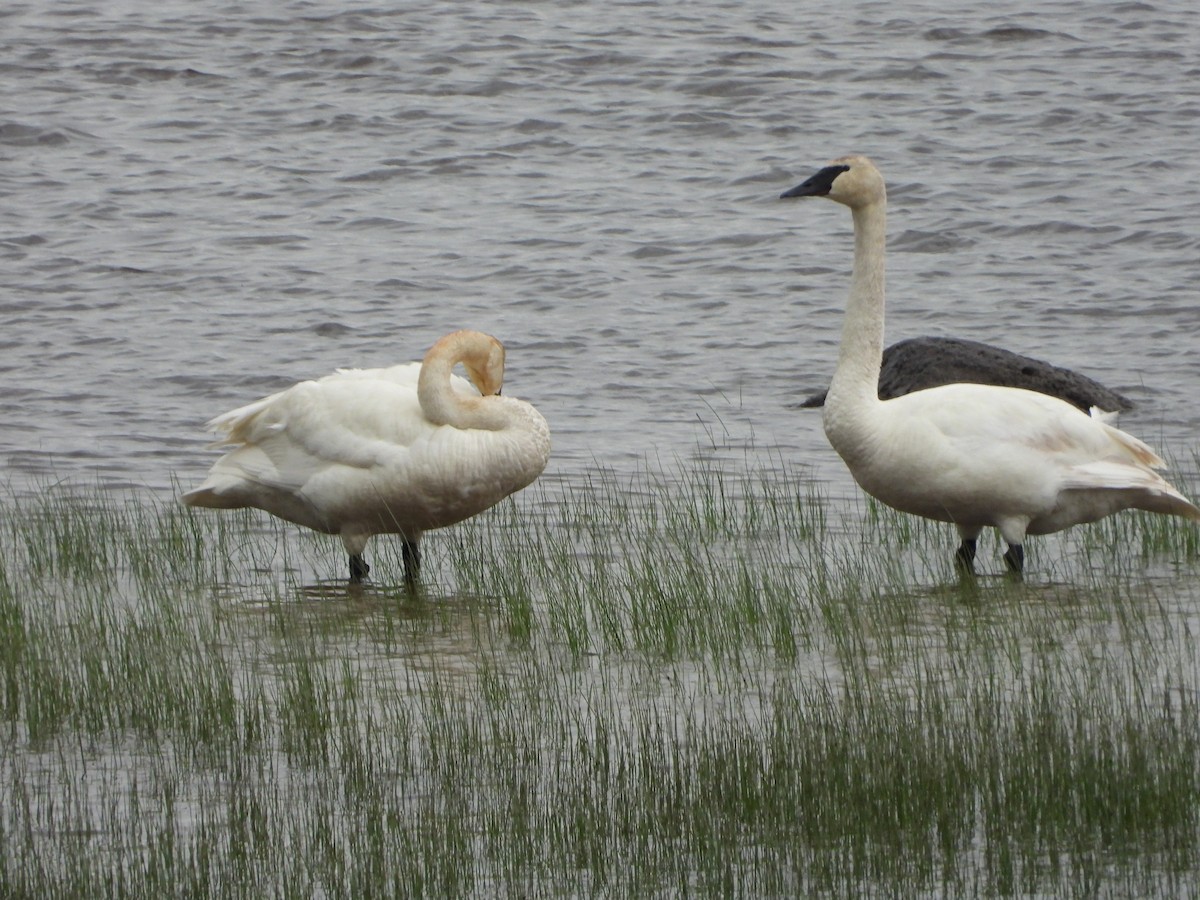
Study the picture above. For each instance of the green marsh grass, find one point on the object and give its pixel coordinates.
(714, 680)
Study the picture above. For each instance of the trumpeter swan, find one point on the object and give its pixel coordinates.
(400, 450)
(924, 362)
(971, 454)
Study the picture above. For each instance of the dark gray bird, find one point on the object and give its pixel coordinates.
(925, 362)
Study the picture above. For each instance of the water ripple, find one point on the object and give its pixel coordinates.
(201, 206)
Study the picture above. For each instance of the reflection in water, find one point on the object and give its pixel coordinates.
(388, 633)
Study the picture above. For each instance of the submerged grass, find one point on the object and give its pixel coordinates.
(709, 681)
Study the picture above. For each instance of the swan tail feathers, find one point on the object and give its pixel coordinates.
(241, 436)
(233, 480)
(1171, 503)
(1134, 447)
(1108, 417)
(242, 477)
(1115, 476)
(1154, 493)
(239, 426)
(210, 496)
(257, 421)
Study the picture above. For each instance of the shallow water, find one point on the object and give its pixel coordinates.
(804, 714)
(202, 204)
(198, 206)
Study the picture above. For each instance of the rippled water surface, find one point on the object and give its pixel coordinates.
(202, 203)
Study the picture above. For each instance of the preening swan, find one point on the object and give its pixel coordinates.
(401, 450)
(971, 454)
(924, 362)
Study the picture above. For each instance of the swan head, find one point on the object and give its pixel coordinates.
(852, 180)
(486, 367)
(481, 355)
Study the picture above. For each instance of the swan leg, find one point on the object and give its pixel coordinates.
(964, 557)
(358, 568)
(1013, 532)
(412, 560)
(1014, 556)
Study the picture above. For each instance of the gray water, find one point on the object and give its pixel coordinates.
(202, 203)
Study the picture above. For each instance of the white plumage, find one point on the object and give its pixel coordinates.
(971, 454)
(400, 450)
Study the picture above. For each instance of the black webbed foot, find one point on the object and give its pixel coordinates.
(411, 554)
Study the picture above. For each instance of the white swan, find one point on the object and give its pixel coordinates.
(400, 450)
(971, 454)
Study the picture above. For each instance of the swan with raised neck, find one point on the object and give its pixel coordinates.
(399, 450)
(854, 390)
(974, 455)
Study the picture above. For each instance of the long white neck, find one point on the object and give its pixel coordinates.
(855, 386)
(440, 402)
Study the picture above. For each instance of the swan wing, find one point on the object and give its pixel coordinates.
(998, 421)
(379, 401)
(354, 419)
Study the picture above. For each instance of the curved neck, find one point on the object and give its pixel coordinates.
(856, 379)
(440, 402)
